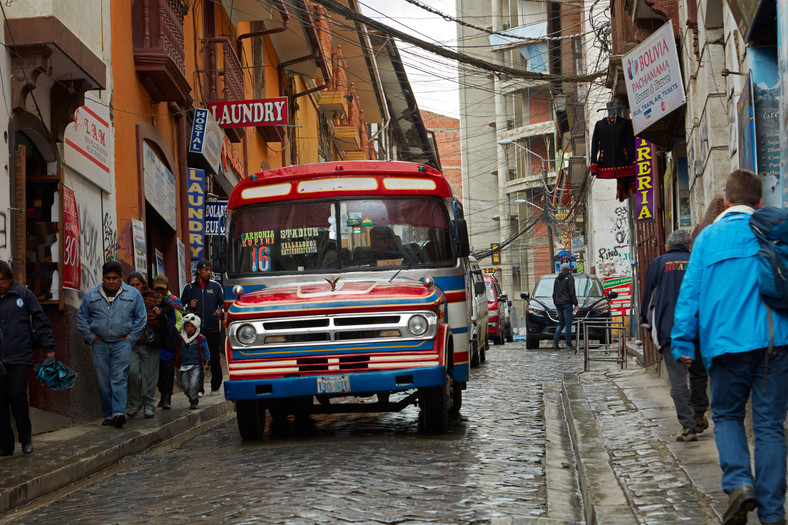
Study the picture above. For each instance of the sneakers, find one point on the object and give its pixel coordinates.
(120, 420)
(149, 412)
(133, 411)
(702, 424)
(571, 347)
(687, 434)
(740, 502)
(555, 346)
(215, 392)
(193, 406)
(165, 405)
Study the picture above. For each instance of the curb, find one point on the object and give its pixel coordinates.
(604, 500)
(100, 457)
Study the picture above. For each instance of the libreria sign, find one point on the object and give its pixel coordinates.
(653, 78)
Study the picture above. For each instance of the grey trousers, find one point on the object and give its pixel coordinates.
(687, 387)
(143, 376)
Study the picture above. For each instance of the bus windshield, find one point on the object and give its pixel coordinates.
(331, 235)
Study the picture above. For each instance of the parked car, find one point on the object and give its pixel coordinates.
(542, 315)
(508, 329)
(496, 309)
(479, 343)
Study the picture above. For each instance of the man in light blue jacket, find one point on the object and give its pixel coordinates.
(720, 302)
(111, 319)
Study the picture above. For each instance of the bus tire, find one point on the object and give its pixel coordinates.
(476, 351)
(434, 403)
(531, 342)
(251, 419)
(483, 352)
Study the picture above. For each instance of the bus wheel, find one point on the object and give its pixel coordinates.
(434, 403)
(251, 419)
(483, 352)
(476, 351)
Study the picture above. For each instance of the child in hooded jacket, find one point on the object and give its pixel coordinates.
(191, 357)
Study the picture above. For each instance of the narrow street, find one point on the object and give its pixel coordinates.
(362, 468)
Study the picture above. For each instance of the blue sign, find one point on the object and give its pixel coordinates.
(195, 192)
(214, 217)
(198, 131)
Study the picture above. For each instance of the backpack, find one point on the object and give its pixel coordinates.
(770, 226)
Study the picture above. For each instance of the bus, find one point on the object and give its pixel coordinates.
(348, 290)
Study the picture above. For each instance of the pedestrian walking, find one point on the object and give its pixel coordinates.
(720, 302)
(565, 301)
(191, 356)
(161, 285)
(20, 312)
(205, 298)
(144, 373)
(660, 292)
(111, 319)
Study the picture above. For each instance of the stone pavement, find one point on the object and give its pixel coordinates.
(71, 454)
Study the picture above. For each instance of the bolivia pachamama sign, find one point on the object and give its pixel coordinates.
(653, 78)
(251, 113)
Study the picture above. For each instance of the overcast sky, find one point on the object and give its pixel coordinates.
(433, 78)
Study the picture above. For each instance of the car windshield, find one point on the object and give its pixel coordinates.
(584, 287)
(340, 235)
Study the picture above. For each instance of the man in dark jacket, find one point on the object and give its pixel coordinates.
(660, 293)
(565, 302)
(205, 298)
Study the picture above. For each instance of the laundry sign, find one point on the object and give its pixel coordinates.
(250, 113)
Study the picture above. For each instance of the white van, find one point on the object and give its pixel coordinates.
(479, 342)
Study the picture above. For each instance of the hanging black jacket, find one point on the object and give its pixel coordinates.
(564, 289)
(613, 148)
(660, 293)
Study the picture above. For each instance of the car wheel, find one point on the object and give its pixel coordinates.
(475, 354)
(250, 414)
(531, 342)
(483, 352)
(510, 337)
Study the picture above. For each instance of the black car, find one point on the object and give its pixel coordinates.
(542, 316)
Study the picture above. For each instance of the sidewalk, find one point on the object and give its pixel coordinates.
(630, 467)
(73, 453)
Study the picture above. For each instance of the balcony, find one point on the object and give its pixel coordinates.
(333, 104)
(346, 138)
(157, 37)
(224, 77)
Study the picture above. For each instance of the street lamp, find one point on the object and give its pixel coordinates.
(506, 142)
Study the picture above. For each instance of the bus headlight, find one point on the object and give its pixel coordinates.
(246, 334)
(418, 325)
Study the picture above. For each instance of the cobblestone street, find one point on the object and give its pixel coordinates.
(365, 467)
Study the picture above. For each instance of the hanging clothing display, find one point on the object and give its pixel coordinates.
(613, 154)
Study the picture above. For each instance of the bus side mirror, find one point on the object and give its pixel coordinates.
(479, 288)
(219, 253)
(459, 233)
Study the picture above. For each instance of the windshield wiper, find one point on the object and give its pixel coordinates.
(413, 258)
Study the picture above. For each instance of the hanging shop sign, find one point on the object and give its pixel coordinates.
(140, 250)
(196, 212)
(745, 112)
(72, 267)
(214, 217)
(623, 286)
(231, 159)
(653, 78)
(159, 185)
(207, 139)
(766, 92)
(183, 273)
(250, 113)
(86, 143)
(646, 175)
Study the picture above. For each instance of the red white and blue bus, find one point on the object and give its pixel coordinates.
(348, 291)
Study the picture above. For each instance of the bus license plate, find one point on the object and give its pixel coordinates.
(333, 384)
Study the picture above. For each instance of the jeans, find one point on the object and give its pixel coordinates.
(144, 376)
(215, 345)
(111, 362)
(565, 323)
(190, 383)
(13, 396)
(692, 400)
(733, 378)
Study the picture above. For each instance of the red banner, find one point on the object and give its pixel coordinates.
(72, 269)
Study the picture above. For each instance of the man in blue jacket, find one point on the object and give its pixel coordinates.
(205, 297)
(720, 302)
(111, 319)
(660, 292)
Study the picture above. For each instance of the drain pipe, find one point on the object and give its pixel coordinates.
(282, 8)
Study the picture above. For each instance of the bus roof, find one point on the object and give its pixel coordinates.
(340, 179)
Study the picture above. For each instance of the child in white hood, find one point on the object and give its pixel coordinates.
(191, 356)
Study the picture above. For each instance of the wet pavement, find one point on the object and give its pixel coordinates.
(527, 415)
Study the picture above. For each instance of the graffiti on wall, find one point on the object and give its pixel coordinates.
(110, 239)
(3, 231)
(91, 245)
(613, 257)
